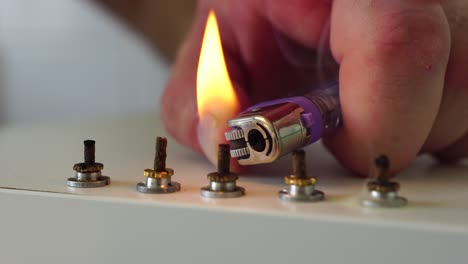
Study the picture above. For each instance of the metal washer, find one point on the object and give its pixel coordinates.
(389, 200)
(173, 187)
(209, 193)
(315, 196)
(100, 182)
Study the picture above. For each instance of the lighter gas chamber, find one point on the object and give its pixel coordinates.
(266, 131)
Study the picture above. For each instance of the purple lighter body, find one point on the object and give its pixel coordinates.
(311, 117)
(268, 130)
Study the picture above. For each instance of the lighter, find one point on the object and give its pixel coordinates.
(268, 130)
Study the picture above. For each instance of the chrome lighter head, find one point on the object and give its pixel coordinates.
(264, 133)
(271, 129)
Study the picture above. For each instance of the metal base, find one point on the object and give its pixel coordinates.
(207, 192)
(159, 189)
(313, 197)
(99, 182)
(377, 199)
(301, 194)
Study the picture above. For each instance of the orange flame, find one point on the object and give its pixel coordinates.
(215, 93)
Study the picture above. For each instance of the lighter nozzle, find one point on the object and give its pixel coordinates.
(262, 135)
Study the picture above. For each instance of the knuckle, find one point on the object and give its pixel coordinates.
(417, 37)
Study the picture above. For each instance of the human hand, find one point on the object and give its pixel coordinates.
(403, 86)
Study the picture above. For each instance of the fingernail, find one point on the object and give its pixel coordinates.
(210, 134)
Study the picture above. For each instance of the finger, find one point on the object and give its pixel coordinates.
(452, 120)
(300, 20)
(269, 49)
(178, 103)
(250, 54)
(393, 57)
(293, 58)
(454, 152)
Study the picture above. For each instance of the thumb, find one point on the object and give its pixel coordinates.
(179, 102)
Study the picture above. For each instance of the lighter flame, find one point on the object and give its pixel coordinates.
(215, 93)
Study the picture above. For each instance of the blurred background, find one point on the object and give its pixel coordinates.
(69, 59)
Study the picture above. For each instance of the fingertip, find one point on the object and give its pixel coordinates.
(454, 153)
(359, 159)
(237, 168)
(390, 86)
(210, 131)
(356, 164)
(179, 116)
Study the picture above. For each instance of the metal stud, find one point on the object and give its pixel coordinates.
(88, 174)
(158, 180)
(222, 182)
(381, 191)
(300, 187)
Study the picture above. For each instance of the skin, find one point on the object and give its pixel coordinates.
(402, 71)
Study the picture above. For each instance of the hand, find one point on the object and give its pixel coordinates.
(403, 71)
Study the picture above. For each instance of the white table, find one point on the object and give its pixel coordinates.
(43, 220)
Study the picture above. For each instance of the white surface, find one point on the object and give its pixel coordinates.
(62, 59)
(116, 224)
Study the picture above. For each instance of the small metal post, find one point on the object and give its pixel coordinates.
(300, 187)
(223, 181)
(158, 180)
(381, 192)
(88, 174)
